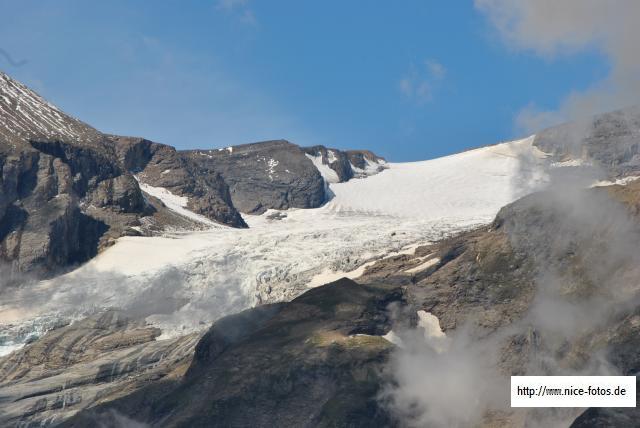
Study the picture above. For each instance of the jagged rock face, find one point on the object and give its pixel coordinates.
(316, 361)
(271, 174)
(97, 359)
(611, 140)
(160, 165)
(348, 164)
(359, 158)
(63, 195)
(335, 159)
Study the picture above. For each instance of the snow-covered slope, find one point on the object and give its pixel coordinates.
(183, 281)
(468, 186)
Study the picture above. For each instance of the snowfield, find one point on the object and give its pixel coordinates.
(181, 282)
(471, 185)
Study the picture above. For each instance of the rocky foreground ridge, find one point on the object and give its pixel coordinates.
(68, 190)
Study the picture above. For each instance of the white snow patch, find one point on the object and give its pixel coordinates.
(328, 275)
(433, 334)
(175, 203)
(329, 175)
(271, 168)
(371, 168)
(620, 181)
(431, 262)
(570, 163)
(392, 337)
(331, 156)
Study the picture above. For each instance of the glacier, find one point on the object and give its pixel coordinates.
(183, 281)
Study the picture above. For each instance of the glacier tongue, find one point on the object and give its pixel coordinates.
(181, 282)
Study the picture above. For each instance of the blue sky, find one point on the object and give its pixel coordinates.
(411, 80)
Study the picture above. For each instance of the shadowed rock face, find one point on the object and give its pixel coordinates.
(271, 174)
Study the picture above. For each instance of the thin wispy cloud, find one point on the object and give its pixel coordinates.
(437, 70)
(419, 82)
(241, 9)
(549, 28)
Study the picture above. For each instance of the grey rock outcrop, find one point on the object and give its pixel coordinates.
(270, 174)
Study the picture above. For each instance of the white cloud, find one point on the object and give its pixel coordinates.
(551, 28)
(419, 82)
